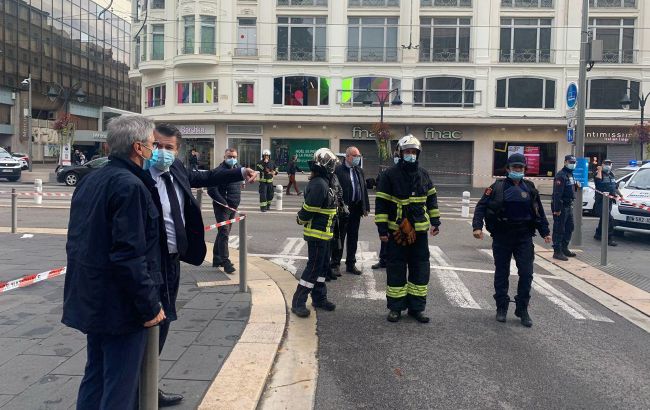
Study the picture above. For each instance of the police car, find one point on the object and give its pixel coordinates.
(589, 192)
(637, 190)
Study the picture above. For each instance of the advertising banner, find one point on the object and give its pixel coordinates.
(532, 155)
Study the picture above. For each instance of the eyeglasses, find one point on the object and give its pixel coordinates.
(231, 156)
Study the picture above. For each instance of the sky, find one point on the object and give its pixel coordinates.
(120, 7)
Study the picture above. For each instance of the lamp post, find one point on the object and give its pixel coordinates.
(627, 101)
(27, 82)
(383, 99)
(57, 91)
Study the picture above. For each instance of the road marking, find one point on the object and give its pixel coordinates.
(366, 286)
(233, 241)
(453, 287)
(292, 247)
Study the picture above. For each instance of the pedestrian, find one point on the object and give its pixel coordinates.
(82, 158)
(605, 182)
(316, 215)
(225, 199)
(406, 204)
(111, 290)
(76, 158)
(292, 168)
(194, 160)
(512, 210)
(267, 170)
(383, 254)
(183, 237)
(564, 193)
(355, 197)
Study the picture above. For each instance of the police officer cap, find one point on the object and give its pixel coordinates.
(516, 159)
(569, 158)
(607, 161)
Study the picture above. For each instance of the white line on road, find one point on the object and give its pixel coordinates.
(453, 287)
(292, 247)
(366, 286)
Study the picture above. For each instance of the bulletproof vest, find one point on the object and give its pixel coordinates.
(607, 183)
(517, 204)
(511, 206)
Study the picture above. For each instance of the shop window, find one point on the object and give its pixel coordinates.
(443, 92)
(541, 157)
(301, 91)
(606, 93)
(5, 114)
(525, 92)
(156, 96)
(197, 92)
(246, 93)
(355, 90)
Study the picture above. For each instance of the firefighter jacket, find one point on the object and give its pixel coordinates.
(405, 191)
(318, 210)
(266, 170)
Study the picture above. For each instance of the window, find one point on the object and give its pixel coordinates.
(355, 90)
(143, 42)
(372, 39)
(612, 3)
(158, 42)
(546, 4)
(446, 3)
(208, 35)
(444, 39)
(525, 92)
(188, 35)
(302, 39)
(246, 93)
(301, 91)
(321, 3)
(540, 157)
(373, 3)
(197, 92)
(443, 92)
(158, 4)
(246, 37)
(156, 96)
(618, 39)
(606, 93)
(525, 40)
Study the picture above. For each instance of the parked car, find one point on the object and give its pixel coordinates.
(72, 174)
(589, 192)
(10, 167)
(637, 190)
(24, 159)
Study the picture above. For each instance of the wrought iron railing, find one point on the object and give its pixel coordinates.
(446, 3)
(373, 3)
(612, 3)
(301, 54)
(373, 54)
(616, 56)
(316, 3)
(532, 4)
(445, 55)
(526, 56)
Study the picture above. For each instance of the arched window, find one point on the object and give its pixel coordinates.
(355, 90)
(443, 92)
(301, 91)
(525, 92)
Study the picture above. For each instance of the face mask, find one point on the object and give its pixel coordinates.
(356, 161)
(607, 168)
(412, 158)
(164, 159)
(148, 162)
(231, 162)
(515, 176)
(396, 160)
(571, 166)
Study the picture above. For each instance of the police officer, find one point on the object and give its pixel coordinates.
(605, 182)
(267, 170)
(316, 215)
(512, 211)
(564, 193)
(406, 206)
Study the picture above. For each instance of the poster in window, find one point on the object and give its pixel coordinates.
(532, 155)
(515, 149)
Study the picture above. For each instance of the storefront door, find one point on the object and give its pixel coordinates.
(205, 149)
(448, 162)
(248, 149)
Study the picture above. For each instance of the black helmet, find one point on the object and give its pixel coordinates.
(516, 159)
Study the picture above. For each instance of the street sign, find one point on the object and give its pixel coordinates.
(572, 96)
(570, 135)
(571, 123)
(581, 173)
(571, 113)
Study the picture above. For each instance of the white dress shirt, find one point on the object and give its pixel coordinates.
(156, 174)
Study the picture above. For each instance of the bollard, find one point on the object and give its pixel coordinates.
(149, 373)
(14, 211)
(604, 231)
(464, 211)
(243, 254)
(199, 197)
(38, 191)
(278, 197)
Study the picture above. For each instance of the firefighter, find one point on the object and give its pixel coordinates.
(267, 170)
(564, 193)
(383, 257)
(405, 207)
(512, 210)
(317, 215)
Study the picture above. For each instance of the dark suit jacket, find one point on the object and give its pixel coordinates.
(343, 174)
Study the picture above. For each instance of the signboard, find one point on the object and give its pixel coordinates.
(200, 129)
(571, 113)
(570, 135)
(608, 136)
(581, 173)
(435, 134)
(66, 154)
(572, 96)
(515, 149)
(532, 155)
(283, 148)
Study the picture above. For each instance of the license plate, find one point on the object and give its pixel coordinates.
(7, 170)
(639, 219)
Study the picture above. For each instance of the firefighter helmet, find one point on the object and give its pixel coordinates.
(409, 141)
(266, 152)
(324, 158)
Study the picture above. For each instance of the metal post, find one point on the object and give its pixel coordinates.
(464, 210)
(149, 372)
(38, 191)
(580, 117)
(279, 190)
(243, 254)
(29, 123)
(14, 211)
(199, 196)
(604, 230)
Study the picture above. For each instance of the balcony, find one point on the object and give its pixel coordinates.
(151, 66)
(190, 60)
(527, 4)
(373, 3)
(526, 56)
(446, 3)
(301, 54)
(373, 54)
(303, 3)
(612, 4)
(245, 52)
(445, 55)
(620, 56)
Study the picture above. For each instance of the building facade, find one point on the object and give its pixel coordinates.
(477, 79)
(71, 51)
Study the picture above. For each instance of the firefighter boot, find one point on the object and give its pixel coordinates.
(325, 305)
(394, 316)
(419, 316)
(299, 302)
(522, 312)
(502, 310)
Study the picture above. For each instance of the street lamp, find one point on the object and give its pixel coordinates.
(27, 82)
(383, 99)
(626, 101)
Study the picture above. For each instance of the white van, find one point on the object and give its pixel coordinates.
(636, 190)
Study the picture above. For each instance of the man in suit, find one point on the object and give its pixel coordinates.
(355, 196)
(182, 233)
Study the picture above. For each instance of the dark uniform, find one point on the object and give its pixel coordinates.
(224, 194)
(405, 191)
(267, 171)
(605, 184)
(512, 212)
(383, 254)
(342, 213)
(564, 193)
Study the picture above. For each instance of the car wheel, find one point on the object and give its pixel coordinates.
(13, 179)
(71, 179)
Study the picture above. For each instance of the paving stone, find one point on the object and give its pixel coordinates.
(198, 363)
(5, 398)
(6, 328)
(230, 289)
(41, 327)
(177, 343)
(164, 366)
(194, 320)
(50, 392)
(192, 390)
(187, 292)
(11, 347)
(74, 366)
(22, 314)
(212, 301)
(235, 311)
(67, 342)
(22, 371)
(221, 333)
(241, 297)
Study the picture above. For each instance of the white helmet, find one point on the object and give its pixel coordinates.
(266, 152)
(409, 141)
(325, 159)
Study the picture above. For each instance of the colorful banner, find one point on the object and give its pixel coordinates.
(532, 155)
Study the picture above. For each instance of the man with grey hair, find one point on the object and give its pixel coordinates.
(113, 275)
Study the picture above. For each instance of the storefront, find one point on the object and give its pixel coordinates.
(91, 143)
(608, 143)
(282, 149)
(199, 137)
(247, 140)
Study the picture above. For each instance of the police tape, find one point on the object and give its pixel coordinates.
(224, 223)
(625, 201)
(225, 206)
(485, 175)
(31, 279)
(54, 194)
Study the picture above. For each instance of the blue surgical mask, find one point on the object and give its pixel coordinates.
(356, 161)
(571, 166)
(164, 159)
(149, 162)
(396, 160)
(412, 158)
(607, 168)
(231, 162)
(515, 176)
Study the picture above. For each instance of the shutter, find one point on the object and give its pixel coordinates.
(620, 154)
(448, 162)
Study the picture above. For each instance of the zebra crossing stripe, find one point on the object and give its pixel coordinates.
(453, 287)
(366, 286)
(292, 247)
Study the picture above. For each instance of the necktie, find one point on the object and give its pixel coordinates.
(357, 187)
(179, 227)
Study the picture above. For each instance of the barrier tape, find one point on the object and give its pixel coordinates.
(625, 201)
(225, 206)
(31, 279)
(56, 194)
(224, 223)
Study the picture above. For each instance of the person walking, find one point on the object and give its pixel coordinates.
(292, 168)
(316, 215)
(406, 205)
(194, 160)
(564, 193)
(512, 210)
(355, 196)
(605, 182)
(225, 199)
(112, 284)
(267, 171)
